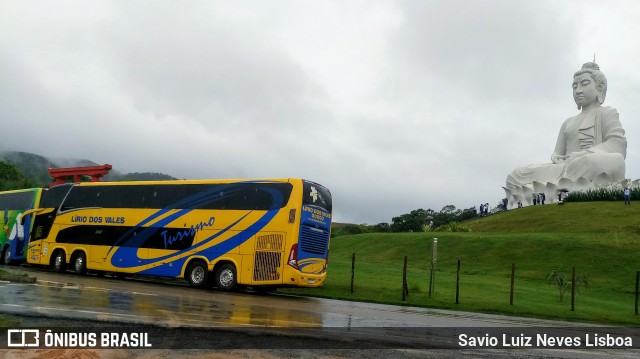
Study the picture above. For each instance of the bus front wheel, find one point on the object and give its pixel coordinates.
(80, 263)
(226, 277)
(197, 274)
(59, 262)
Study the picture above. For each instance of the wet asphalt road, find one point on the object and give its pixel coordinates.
(250, 320)
(154, 301)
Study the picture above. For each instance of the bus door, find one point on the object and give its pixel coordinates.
(42, 223)
(43, 219)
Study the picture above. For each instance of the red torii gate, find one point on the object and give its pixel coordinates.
(60, 175)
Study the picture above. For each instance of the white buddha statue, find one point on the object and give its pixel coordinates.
(590, 149)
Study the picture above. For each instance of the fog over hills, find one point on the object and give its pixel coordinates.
(37, 167)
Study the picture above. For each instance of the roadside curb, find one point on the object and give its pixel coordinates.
(17, 278)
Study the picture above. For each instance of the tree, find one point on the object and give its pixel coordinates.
(382, 227)
(11, 177)
(467, 214)
(448, 209)
(410, 222)
(419, 219)
(448, 214)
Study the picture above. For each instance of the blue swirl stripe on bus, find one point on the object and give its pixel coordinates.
(193, 201)
(213, 251)
(132, 252)
(129, 245)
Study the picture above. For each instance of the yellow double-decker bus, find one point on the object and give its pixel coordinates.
(264, 233)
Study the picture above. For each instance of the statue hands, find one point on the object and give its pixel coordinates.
(574, 155)
(556, 158)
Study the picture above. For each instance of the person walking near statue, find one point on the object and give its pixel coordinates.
(627, 196)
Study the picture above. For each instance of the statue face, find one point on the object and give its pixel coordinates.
(584, 90)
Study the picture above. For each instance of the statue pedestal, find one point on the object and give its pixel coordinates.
(525, 194)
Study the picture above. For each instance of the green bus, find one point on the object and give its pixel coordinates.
(15, 228)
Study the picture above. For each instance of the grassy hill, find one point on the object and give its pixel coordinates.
(580, 217)
(600, 239)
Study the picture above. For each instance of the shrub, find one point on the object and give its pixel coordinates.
(602, 194)
(453, 227)
(563, 284)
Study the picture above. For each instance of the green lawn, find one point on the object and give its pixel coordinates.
(600, 239)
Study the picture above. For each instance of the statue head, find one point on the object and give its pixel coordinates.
(598, 78)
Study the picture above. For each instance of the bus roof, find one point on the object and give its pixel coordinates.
(196, 181)
(22, 190)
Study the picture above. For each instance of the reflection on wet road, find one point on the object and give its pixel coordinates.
(154, 303)
(341, 323)
(137, 301)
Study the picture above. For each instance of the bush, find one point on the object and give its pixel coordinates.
(563, 284)
(602, 194)
(349, 230)
(452, 227)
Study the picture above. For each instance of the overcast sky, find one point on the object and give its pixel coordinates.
(392, 105)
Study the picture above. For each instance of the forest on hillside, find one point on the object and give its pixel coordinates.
(26, 170)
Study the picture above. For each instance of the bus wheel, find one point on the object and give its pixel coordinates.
(58, 262)
(197, 274)
(6, 256)
(80, 263)
(226, 277)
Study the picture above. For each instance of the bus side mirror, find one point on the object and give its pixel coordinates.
(28, 212)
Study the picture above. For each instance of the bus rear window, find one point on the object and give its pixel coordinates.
(316, 195)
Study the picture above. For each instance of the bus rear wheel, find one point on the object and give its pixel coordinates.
(226, 277)
(80, 263)
(197, 274)
(6, 256)
(58, 262)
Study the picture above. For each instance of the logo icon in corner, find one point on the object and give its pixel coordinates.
(21, 338)
(314, 194)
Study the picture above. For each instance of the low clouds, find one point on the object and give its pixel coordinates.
(188, 61)
(490, 49)
(392, 105)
